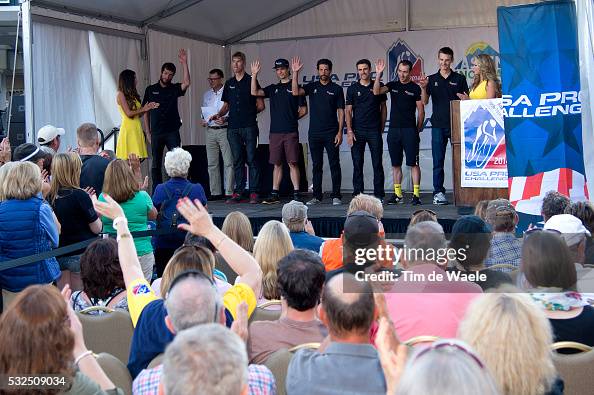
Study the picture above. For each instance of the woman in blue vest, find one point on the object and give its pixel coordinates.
(27, 227)
(165, 197)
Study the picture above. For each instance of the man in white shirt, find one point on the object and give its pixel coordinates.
(216, 138)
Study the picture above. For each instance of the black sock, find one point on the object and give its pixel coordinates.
(274, 192)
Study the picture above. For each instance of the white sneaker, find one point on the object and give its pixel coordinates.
(313, 201)
(440, 199)
(336, 202)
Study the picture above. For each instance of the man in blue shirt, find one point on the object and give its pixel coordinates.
(300, 229)
(326, 104)
(285, 111)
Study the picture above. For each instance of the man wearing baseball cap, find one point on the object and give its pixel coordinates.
(285, 111)
(48, 138)
(301, 231)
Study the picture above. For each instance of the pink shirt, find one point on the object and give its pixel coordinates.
(429, 308)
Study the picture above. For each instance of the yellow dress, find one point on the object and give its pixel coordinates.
(480, 92)
(131, 137)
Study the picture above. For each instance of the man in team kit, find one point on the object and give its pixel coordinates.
(443, 87)
(285, 111)
(403, 134)
(242, 131)
(326, 106)
(365, 115)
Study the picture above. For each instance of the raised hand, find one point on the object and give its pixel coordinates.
(183, 56)
(144, 185)
(423, 81)
(5, 150)
(240, 324)
(199, 221)
(110, 208)
(134, 163)
(296, 64)
(255, 67)
(90, 191)
(44, 176)
(380, 66)
(392, 356)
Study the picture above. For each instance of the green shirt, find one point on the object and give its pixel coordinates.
(136, 211)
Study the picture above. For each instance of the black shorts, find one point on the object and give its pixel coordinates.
(403, 139)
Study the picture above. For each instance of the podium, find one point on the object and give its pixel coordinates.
(467, 196)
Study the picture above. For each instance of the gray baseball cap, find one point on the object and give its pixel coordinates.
(294, 212)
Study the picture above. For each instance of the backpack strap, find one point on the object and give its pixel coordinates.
(187, 190)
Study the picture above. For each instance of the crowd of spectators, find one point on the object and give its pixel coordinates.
(192, 295)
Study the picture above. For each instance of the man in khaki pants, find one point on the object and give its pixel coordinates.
(216, 139)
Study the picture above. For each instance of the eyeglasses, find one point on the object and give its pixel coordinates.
(213, 79)
(453, 345)
(424, 210)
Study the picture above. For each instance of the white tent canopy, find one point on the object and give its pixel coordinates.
(84, 44)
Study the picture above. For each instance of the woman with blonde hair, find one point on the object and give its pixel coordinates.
(486, 84)
(238, 228)
(75, 211)
(122, 186)
(272, 244)
(28, 226)
(493, 325)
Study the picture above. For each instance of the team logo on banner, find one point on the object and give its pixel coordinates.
(399, 51)
(483, 149)
(477, 48)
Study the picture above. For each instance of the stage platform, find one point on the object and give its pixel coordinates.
(328, 220)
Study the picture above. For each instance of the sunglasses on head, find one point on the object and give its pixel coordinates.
(190, 274)
(537, 230)
(424, 210)
(453, 345)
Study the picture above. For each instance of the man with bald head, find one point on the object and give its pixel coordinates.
(193, 300)
(349, 364)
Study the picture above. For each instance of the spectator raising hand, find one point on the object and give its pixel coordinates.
(392, 355)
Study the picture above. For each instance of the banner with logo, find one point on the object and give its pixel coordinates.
(420, 47)
(483, 144)
(542, 106)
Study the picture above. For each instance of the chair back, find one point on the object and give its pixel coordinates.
(222, 265)
(7, 298)
(117, 372)
(110, 333)
(278, 363)
(264, 313)
(576, 370)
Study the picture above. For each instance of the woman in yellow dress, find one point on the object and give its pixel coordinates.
(131, 138)
(486, 84)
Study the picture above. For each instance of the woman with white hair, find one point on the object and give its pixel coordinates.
(165, 197)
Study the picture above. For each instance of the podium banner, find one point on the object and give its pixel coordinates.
(542, 102)
(483, 144)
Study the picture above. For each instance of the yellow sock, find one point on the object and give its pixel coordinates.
(416, 190)
(398, 190)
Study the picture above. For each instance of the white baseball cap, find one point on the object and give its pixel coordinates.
(571, 228)
(47, 133)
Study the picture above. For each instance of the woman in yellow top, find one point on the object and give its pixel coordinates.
(131, 138)
(486, 84)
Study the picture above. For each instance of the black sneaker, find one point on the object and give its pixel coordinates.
(273, 199)
(395, 200)
(297, 196)
(234, 199)
(416, 201)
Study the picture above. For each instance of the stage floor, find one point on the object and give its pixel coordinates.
(328, 220)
